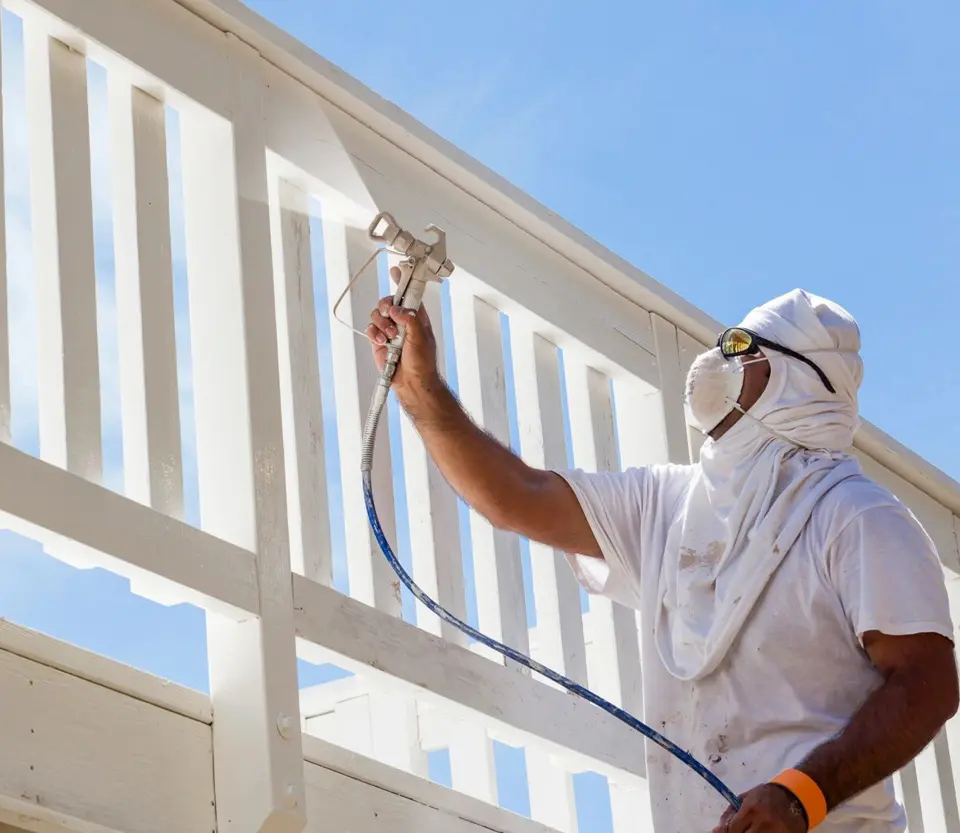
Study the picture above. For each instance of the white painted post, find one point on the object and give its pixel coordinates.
(310, 548)
(5, 393)
(433, 513)
(615, 638)
(146, 331)
(372, 580)
(62, 218)
(253, 671)
(502, 609)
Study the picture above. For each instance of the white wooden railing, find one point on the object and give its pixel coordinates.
(284, 162)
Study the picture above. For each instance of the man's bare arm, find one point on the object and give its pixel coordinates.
(489, 477)
(512, 495)
(896, 722)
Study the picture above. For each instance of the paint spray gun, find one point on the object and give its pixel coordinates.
(423, 262)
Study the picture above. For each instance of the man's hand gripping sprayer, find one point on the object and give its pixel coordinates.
(423, 263)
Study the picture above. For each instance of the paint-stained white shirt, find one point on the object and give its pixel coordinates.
(797, 671)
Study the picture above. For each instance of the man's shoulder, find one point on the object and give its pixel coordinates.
(850, 499)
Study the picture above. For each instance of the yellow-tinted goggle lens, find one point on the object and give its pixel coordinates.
(736, 343)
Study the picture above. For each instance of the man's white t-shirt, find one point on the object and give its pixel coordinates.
(798, 671)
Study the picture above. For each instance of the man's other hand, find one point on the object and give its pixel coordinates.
(768, 808)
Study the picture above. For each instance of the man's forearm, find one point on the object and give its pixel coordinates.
(488, 476)
(892, 727)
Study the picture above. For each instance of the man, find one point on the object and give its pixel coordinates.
(796, 634)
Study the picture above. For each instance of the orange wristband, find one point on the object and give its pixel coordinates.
(807, 793)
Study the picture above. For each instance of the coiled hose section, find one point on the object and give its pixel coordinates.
(369, 439)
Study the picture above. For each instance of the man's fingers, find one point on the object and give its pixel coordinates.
(416, 324)
(375, 334)
(741, 822)
(383, 324)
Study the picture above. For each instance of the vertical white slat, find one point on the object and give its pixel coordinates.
(652, 423)
(928, 785)
(395, 732)
(542, 444)
(909, 795)
(947, 777)
(310, 547)
(630, 808)
(614, 627)
(432, 511)
(146, 330)
(898, 794)
(62, 219)
(556, 594)
(640, 423)
(552, 798)
(937, 790)
(5, 369)
(472, 767)
(690, 348)
(253, 668)
(946, 752)
(347, 725)
(672, 379)
(501, 605)
(372, 580)
(472, 764)
(498, 574)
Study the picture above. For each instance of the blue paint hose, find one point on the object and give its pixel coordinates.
(370, 431)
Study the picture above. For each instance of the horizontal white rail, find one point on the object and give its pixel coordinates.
(88, 525)
(403, 657)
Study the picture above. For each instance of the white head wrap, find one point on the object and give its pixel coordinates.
(804, 411)
(759, 483)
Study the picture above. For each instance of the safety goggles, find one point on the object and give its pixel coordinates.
(737, 342)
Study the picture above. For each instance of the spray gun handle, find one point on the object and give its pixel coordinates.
(409, 296)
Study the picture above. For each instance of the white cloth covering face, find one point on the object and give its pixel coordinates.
(756, 571)
(759, 483)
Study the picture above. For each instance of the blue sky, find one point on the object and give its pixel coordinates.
(733, 151)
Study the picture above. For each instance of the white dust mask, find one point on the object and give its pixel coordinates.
(713, 387)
